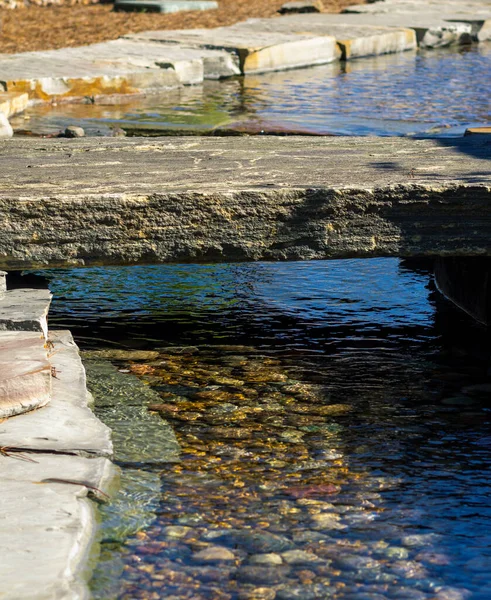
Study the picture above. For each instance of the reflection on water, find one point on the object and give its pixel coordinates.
(334, 430)
(433, 93)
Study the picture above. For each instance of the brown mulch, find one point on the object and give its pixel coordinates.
(45, 28)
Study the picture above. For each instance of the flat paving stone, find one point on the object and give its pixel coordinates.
(47, 524)
(25, 310)
(475, 13)
(258, 51)
(66, 424)
(129, 201)
(164, 6)
(216, 63)
(355, 41)
(116, 67)
(25, 373)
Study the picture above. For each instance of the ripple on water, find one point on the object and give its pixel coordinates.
(315, 447)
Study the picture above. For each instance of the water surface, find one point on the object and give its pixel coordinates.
(334, 424)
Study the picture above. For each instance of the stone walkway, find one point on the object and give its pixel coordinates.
(51, 458)
(152, 61)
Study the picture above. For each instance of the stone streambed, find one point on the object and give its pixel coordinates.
(262, 501)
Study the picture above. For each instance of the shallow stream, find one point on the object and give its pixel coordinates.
(434, 93)
(329, 431)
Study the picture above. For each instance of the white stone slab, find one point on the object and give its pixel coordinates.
(25, 374)
(3, 282)
(431, 29)
(47, 527)
(25, 310)
(259, 51)
(216, 63)
(354, 40)
(430, 14)
(119, 67)
(66, 424)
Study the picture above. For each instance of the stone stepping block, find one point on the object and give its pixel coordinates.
(119, 67)
(432, 31)
(12, 103)
(191, 65)
(66, 424)
(302, 6)
(3, 282)
(257, 51)
(25, 373)
(164, 6)
(48, 526)
(25, 310)
(433, 18)
(354, 41)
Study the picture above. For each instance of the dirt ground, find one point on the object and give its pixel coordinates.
(45, 28)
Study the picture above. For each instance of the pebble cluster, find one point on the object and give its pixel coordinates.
(264, 503)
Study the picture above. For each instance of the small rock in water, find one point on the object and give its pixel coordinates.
(299, 557)
(304, 592)
(257, 542)
(260, 574)
(419, 540)
(214, 554)
(176, 531)
(260, 593)
(6, 130)
(326, 521)
(270, 558)
(72, 131)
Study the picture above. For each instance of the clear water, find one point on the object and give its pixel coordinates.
(432, 93)
(333, 414)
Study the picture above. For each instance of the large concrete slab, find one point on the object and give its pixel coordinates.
(66, 424)
(47, 524)
(164, 6)
(25, 373)
(191, 64)
(25, 310)
(430, 28)
(131, 201)
(117, 67)
(354, 40)
(256, 51)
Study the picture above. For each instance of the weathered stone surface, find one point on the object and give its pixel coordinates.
(3, 282)
(216, 63)
(259, 51)
(25, 374)
(475, 13)
(134, 201)
(6, 130)
(302, 6)
(12, 103)
(47, 526)
(164, 6)
(431, 29)
(354, 40)
(116, 67)
(25, 310)
(66, 424)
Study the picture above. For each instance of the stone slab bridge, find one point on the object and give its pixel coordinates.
(112, 201)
